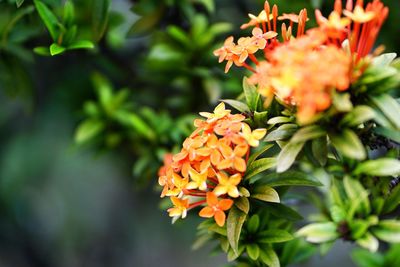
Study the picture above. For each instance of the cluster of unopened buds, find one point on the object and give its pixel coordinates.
(210, 167)
(303, 68)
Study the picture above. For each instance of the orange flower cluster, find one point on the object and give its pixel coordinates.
(304, 70)
(210, 165)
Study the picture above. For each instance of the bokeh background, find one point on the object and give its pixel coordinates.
(82, 134)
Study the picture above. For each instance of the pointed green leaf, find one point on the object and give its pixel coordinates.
(100, 14)
(268, 256)
(42, 50)
(253, 251)
(388, 230)
(358, 115)
(369, 242)
(253, 223)
(81, 44)
(283, 211)
(348, 144)
(273, 236)
(56, 49)
(259, 166)
(48, 18)
(69, 13)
(88, 129)
(283, 132)
(251, 94)
(288, 155)
(289, 178)
(319, 232)
(238, 105)
(265, 193)
(389, 107)
(319, 149)
(392, 201)
(279, 119)
(234, 225)
(379, 167)
(364, 258)
(307, 133)
(243, 204)
(357, 195)
(260, 150)
(19, 2)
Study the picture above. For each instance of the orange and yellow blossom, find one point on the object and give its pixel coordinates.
(180, 207)
(212, 159)
(228, 184)
(216, 208)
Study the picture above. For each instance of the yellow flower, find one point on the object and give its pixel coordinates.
(219, 113)
(216, 208)
(227, 185)
(252, 137)
(199, 180)
(180, 207)
(180, 185)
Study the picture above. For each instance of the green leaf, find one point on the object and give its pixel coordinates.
(288, 155)
(358, 115)
(260, 118)
(42, 50)
(234, 225)
(283, 211)
(364, 258)
(319, 149)
(259, 166)
(348, 144)
(100, 14)
(342, 102)
(138, 124)
(307, 133)
(88, 129)
(289, 178)
(273, 236)
(243, 204)
(258, 153)
(238, 105)
(49, 19)
(265, 193)
(369, 242)
(392, 201)
(56, 49)
(179, 35)
(357, 195)
(253, 251)
(81, 44)
(251, 94)
(319, 232)
(19, 2)
(69, 13)
(388, 230)
(279, 119)
(379, 167)
(253, 223)
(283, 132)
(269, 257)
(389, 107)
(393, 135)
